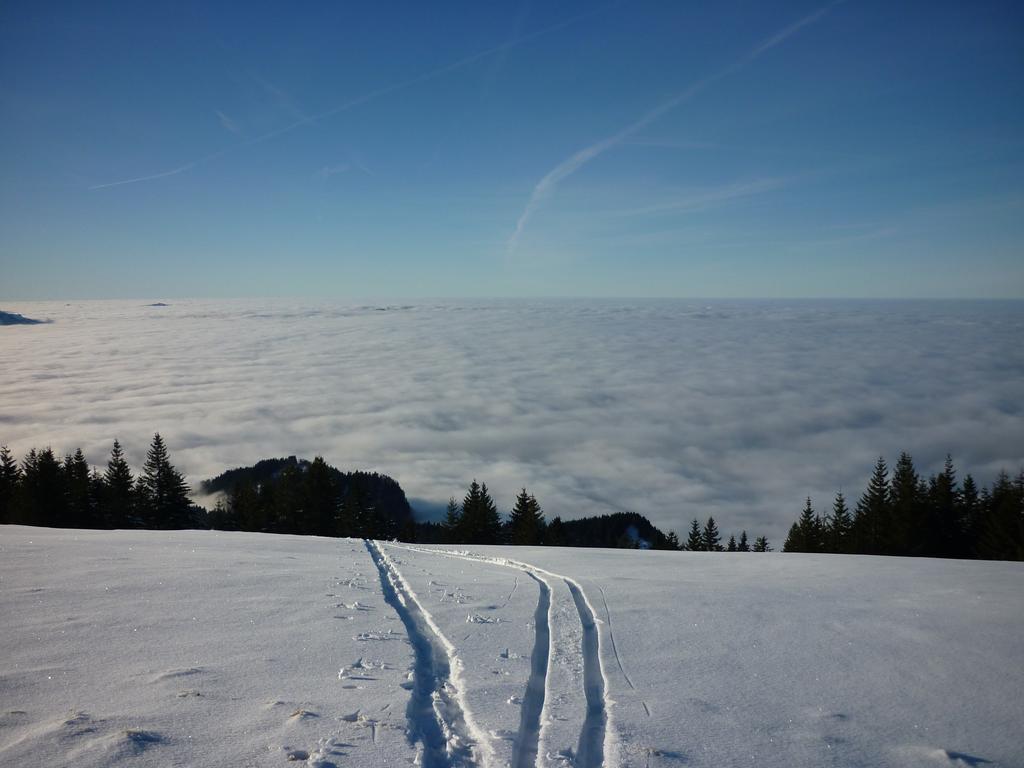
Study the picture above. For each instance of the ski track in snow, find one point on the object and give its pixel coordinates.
(437, 716)
(596, 744)
(524, 753)
(590, 753)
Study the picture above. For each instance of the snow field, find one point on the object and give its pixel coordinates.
(196, 648)
(206, 648)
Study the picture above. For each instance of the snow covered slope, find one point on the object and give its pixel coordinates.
(209, 648)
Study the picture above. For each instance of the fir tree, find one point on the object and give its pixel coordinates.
(672, 541)
(10, 478)
(45, 495)
(743, 545)
(118, 491)
(871, 520)
(969, 517)
(838, 526)
(554, 534)
(526, 521)
(81, 506)
(761, 544)
(946, 537)
(712, 539)
(162, 492)
(481, 523)
(452, 521)
(907, 530)
(732, 544)
(695, 541)
(805, 535)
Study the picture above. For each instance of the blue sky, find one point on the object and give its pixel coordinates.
(524, 149)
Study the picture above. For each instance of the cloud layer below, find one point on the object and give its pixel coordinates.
(675, 409)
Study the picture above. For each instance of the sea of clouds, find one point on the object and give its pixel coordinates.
(674, 409)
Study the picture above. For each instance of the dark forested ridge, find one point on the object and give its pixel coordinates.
(298, 496)
(291, 495)
(903, 513)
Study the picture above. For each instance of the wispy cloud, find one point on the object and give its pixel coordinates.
(227, 123)
(547, 185)
(151, 177)
(367, 97)
(705, 198)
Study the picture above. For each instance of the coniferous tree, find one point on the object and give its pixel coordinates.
(944, 514)
(45, 494)
(711, 537)
(481, 523)
(452, 521)
(81, 504)
(732, 544)
(970, 517)
(805, 534)
(907, 519)
(838, 526)
(1002, 528)
(673, 541)
(118, 491)
(761, 544)
(743, 545)
(695, 541)
(871, 519)
(162, 492)
(554, 534)
(526, 521)
(10, 479)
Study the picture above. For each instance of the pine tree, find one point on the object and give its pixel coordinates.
(761, 544)
(162, 492)
(526, 521)
(452, 521)
(838, 526)
(118, 491)
(732, 544)
(969, 515)
(743, 546)
(81, 506)
(1002, 529)
(908, 528)
(45, 493)
(672, 541)
(712, 540)
(805, 534)
(481, 523)
(10, 479)
(944, 520)
(695, 542)
(554, 534)
(871, 520)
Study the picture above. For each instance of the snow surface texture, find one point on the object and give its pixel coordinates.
(208, 648)
(673, 409)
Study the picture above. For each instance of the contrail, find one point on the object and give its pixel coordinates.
(547, 185)
(376, 94)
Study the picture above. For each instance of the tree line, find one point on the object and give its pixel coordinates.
(298, 497)
(66, 493)
(907, 514)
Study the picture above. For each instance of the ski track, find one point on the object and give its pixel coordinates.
(596, 744)
(611, 637)
(590, 753)
(437, 717)
(524, 751)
